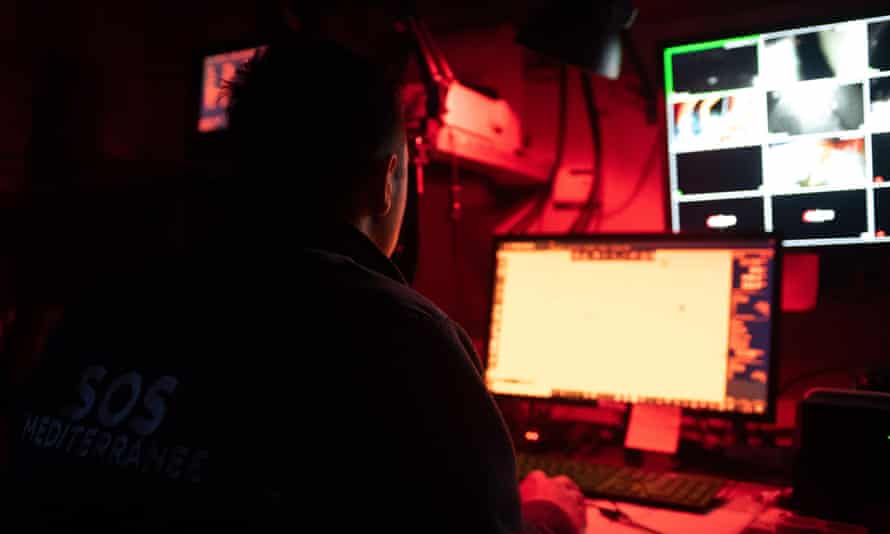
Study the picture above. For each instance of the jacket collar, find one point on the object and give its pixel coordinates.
(344, 239)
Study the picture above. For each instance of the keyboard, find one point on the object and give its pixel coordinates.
(665, 489)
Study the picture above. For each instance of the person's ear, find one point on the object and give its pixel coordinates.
(384, 191)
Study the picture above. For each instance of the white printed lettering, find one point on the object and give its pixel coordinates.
(41, 430)
(86, 392)
(134, 455)
(63, 436)
(75, 431)
(53, 434)
(103, 440)
(86, 442)
(155, 458)
(155, 404)
(177, 458)
(196, 466)
(117, 448)
(121, 449)
(30, 426)
(133, 382)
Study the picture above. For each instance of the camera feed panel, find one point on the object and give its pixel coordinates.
(786, 131)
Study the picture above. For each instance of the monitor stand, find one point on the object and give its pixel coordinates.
(653, 435)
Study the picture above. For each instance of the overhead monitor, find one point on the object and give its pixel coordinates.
(785, 132)
(668, 320)
(216, 70)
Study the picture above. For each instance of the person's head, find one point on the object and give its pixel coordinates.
(320, 128)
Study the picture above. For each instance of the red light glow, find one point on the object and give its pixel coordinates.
(800, 286)
(532, 435)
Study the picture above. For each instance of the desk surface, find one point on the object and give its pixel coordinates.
(749, 509)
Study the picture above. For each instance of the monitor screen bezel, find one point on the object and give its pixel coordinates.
(783, 25)
(769, 414)
(201, 144)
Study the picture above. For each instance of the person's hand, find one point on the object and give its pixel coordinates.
(560, 491)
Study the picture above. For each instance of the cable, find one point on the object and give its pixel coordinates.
(592, 206)
(646, 89)
(618, 515)
(813, 374)
(610, 514)
(641, 181)
(540, 203)
(455, 209)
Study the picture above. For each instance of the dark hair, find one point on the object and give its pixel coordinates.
(312, 115)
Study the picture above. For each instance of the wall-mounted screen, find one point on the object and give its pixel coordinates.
(785, 132)
(218, 68)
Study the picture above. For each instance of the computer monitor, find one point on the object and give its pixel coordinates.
(671, 320)
(787, 132)
(216, 69)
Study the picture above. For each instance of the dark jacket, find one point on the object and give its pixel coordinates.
(252, 387)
